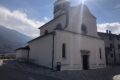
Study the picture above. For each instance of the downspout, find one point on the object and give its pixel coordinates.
(53, 51)
(28, 54)
(66, 25)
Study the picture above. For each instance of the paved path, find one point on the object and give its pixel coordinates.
(12, 72)
(21, 71)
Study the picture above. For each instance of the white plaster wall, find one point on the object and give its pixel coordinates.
(75, 43)
(41, 51)
(117, 50)
(52, 25)
(61, 38)
(107, 44)
(78, 16)
(22, 53)
(75, 20)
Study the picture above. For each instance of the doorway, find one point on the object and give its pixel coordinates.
(85, 62)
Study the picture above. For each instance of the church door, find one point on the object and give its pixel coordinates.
(85, 62)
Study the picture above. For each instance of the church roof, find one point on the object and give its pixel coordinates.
(107, 34)
(50, 21)
(51, 33)
(26, 47)
(75, 8)
(41, 37)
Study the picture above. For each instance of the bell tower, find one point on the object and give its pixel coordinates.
(60, 7)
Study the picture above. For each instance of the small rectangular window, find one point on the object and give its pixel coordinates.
(64, 51)
(118, 46)
(110, 37)
(117, 37)
(100, 52)
(119, 56)
(111, 55)
(111, 46)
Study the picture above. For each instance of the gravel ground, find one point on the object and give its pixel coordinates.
(20, 71)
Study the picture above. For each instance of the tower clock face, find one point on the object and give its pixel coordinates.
(83, 29)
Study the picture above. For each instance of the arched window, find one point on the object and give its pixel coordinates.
(100, 52)
(63, 50)
(46, 32)
(59, 27)
(83, 29)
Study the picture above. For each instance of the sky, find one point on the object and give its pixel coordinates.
(26, 16)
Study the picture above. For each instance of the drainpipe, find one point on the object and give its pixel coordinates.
(53, 51)
(28, 54)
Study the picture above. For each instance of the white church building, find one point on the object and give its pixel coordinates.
(69, 41)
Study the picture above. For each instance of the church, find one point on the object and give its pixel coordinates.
(69, 41)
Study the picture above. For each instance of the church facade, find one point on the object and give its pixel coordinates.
(69, 41)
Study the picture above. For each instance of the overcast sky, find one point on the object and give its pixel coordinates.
(26, 16)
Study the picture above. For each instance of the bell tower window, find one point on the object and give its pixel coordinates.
(46, 32)
(57, 8)
(60, 6)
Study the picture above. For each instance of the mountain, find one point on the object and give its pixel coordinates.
(11, 40)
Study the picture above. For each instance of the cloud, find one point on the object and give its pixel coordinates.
(114, 27)
(19, 21)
